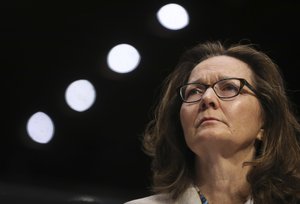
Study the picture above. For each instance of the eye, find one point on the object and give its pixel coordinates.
(227, 87)
(194, 91)
(190, 92)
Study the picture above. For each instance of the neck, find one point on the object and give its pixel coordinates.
(223, 179)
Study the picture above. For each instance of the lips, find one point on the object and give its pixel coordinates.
(202, 120)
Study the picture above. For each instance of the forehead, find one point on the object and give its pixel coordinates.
(219, 67)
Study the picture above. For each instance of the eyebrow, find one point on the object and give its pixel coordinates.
(218, 78)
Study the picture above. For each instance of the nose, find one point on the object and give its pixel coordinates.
(209, 100)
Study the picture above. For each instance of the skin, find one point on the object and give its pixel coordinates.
(224, 142)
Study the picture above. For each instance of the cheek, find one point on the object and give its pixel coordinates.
(245, 116)
(187, 117)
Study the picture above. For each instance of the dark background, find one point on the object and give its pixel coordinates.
(46, 45)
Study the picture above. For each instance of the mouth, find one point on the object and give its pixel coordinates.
(208, 119)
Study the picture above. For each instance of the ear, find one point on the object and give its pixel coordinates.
(260, 134)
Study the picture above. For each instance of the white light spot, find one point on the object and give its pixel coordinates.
(123, 58)
(173, 16)
(40, 128)
(80, 95)
(84, 199)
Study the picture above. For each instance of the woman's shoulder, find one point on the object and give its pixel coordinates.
(189, 196)
(154, 199)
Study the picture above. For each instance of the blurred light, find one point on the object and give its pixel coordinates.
(80, 95)
(40, 128)
(173, 16)
(84, 199)
(123, 58)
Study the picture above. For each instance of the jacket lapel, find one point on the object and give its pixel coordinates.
(190, 196)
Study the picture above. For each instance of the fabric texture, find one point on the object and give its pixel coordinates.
(190, 196)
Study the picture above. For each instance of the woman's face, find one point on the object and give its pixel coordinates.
(214, 124)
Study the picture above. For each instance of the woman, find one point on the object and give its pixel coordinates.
(223, 131)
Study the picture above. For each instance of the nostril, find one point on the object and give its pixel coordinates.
(205, 104)
(212, 104)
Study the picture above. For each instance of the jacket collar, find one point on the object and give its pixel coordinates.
(191, 196)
